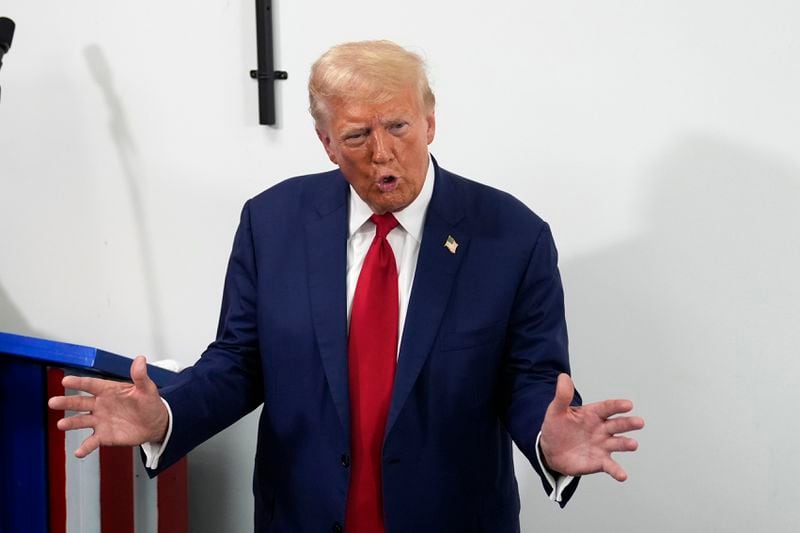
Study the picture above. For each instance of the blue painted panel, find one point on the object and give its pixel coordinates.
(23, 449)
(117, 365)
(62, 354)
(57, 353)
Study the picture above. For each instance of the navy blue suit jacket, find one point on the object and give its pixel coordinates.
(483, 343)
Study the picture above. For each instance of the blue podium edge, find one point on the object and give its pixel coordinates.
(75, 356)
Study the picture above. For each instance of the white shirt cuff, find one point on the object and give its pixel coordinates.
(558, 485)
(153, 450)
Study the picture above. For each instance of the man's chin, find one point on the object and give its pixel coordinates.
(393, 207)
(389, 202)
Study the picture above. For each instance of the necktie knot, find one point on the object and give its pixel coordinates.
(383, 224)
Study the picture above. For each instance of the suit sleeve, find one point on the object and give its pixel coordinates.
(537, 352)
(226, 382)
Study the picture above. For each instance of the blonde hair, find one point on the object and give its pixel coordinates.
(375, 71)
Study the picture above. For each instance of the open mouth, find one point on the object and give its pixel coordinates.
(387, 183)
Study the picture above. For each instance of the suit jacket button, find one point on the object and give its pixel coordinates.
(345, 460)
(337, 528)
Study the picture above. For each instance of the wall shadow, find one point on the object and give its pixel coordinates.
(11, 318)
(219, 497)
(127, 155)
(698, 321)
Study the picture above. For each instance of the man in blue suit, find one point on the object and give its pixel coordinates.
(400, 324)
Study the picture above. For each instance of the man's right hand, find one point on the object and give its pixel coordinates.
(120, 414)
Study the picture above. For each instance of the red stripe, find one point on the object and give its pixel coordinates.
(116, 490)
(56, 457)
(173, 502)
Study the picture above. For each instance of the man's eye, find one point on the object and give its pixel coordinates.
(399, 126)
(354, 138)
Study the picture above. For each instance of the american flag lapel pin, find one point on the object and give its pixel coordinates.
(451, 244)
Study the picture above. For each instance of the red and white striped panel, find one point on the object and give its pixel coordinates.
(109, 491)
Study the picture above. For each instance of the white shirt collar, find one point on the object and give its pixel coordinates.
(411, 218)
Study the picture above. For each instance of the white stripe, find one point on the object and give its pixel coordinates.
(83, 484)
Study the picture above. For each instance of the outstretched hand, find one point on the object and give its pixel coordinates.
(120, 414)
(580, 440)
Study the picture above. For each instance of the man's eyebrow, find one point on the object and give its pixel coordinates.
(354, 130)
(394, 120)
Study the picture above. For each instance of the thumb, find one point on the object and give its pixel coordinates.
(139, 373)
(565, 390)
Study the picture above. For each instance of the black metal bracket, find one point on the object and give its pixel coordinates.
(277, 75)
(266, 73)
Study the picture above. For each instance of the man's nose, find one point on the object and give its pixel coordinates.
(381, 146)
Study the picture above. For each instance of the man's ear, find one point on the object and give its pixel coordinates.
(325, 139)
(430, 118)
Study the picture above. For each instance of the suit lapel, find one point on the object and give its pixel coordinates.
(433, 281)
(326, 241)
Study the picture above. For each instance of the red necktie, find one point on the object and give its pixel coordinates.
(372, 356)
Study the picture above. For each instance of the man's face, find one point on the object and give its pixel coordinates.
(382, 149)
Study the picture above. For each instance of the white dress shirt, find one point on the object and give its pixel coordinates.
(405, 241)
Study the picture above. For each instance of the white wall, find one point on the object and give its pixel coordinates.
(660, 139)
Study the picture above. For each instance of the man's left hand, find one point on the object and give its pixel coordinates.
(580, 440)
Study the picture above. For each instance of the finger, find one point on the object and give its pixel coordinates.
(76, 422)
(623, 424)
(139, 373)
(89, 445)
(91, 385)
(71, 403)
(565, 390)
(609, 408)
(613, 469)
(621, 444)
